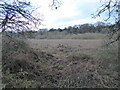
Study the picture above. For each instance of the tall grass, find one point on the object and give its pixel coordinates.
(63, 35)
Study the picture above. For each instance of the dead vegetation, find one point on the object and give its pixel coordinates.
(59, 63)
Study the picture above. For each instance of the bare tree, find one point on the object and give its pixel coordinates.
(112, 7)
(109, 6)
(17, 15)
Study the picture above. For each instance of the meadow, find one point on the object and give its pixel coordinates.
(84, 62)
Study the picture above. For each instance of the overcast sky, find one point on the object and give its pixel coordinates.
(71, 12)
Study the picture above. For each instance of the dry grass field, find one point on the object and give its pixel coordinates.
(81, 62)
(72, 45)
(63, 63)
(63, 35)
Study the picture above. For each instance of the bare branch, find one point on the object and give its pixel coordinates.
(56, 4)
(108, 6)
(112, 7)
(17, 14)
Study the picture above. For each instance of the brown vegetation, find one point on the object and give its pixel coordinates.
(60, 63)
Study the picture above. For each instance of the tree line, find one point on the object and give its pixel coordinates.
(99, 27)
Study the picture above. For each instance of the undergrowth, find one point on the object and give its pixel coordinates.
(24, 67)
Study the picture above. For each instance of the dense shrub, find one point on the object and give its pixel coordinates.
(10, 48)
